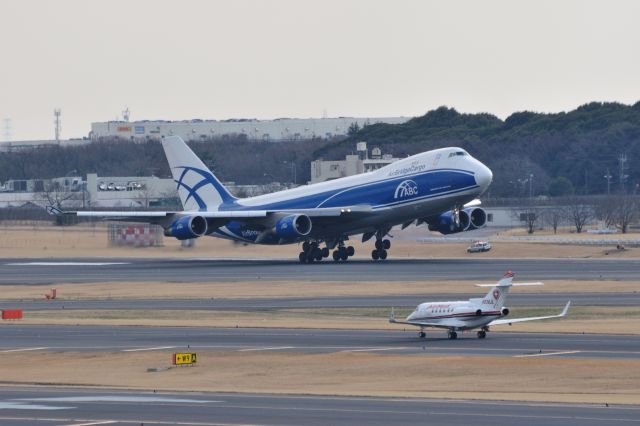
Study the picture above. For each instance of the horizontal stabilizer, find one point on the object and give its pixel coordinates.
(513, 284)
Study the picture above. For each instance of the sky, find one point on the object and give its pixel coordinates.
(266, 59)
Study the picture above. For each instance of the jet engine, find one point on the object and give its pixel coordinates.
(477, 217)
(446, 222)
(187, 227)
(293, 226)
(505, 311)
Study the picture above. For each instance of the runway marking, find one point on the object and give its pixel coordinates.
(399, 348)
(105, 422)
(67, 263)
(547, 354)
(24, 349)
(277, 348)
(157, 348)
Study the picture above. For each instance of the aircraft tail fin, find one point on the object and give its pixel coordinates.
(198, 188)
(498, 293)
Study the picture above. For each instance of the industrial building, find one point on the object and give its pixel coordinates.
(281, 129)
(353, 164)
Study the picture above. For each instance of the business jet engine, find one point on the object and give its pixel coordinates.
(187, 227)
(293, 226)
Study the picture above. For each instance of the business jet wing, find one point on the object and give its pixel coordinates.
(564, 313)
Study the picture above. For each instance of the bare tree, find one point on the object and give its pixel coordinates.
(579, 212)
(530, 215)
(554, 216)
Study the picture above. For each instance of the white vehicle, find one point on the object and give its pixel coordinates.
(471, 314)
(438, 188)
(479, 246)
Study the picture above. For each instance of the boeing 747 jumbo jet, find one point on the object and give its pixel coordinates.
(471, 314)
(439, 188)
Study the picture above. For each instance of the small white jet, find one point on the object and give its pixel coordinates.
(471, 314)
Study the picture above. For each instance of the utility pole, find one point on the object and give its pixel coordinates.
(608, 177)
(530, 185)
(622, 164)
(56, 115)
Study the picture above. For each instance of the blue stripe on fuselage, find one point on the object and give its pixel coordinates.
(376, 194)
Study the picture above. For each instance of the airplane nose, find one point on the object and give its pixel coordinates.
(484, 176)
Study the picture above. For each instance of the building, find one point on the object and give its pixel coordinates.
(281, 129)
(361, 162)
(19, 145)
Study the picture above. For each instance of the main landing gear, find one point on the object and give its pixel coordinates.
(311, 252)
(422, 334)
(483, 333)
(380, 253)
(452, 335)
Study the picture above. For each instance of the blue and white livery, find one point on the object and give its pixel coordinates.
(436, 187)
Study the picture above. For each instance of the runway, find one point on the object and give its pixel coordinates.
(264, 304)
(20, 406)
(18, 338)
(48, 271)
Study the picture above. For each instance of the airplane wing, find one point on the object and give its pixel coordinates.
(564, 313)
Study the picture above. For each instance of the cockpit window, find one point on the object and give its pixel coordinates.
(457, 153)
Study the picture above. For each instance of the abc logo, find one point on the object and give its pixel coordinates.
(407, 188)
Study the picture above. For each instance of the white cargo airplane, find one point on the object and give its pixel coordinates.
(471, 314)
(439, 188)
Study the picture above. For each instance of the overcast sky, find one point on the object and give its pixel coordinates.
(266, 59)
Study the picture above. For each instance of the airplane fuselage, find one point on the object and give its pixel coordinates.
(416, 187)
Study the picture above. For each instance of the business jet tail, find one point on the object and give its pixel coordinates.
(198, 188)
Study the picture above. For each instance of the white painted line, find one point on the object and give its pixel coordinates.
(266, 349)
(24, 349)
(67, 263)
(149, 349)
(106, 422)
(374, 349)
(547, 354)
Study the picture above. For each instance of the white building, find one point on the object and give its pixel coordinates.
(353, 164)
(261, 130)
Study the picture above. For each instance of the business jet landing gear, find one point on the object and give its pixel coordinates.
(380, 253)
(453, 335)
(342, 253)
(482, 334)
(312, 253)
(422, 334)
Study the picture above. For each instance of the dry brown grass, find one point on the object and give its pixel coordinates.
(366, 374)
(91, 241)
(286, 289)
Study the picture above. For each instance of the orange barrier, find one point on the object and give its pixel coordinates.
(11, 314)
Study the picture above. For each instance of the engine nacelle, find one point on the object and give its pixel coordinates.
(505, 312)
(293, 226)
(446, 223)
(477, 217)
(187, 227)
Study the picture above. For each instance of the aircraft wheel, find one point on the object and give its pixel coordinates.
(351, 251)
(422, 334)
(383, 254)
(302, 257)
(386, 244)
(336, 255)
(453, 335)
(305, 246)
(325, 252)
(379, 244)
(375, 255)
(482, 334)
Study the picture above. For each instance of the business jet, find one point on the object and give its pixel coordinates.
(471, 314)
(438, 188)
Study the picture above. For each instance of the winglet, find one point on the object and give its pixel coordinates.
(392, 315)
(565, 311)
